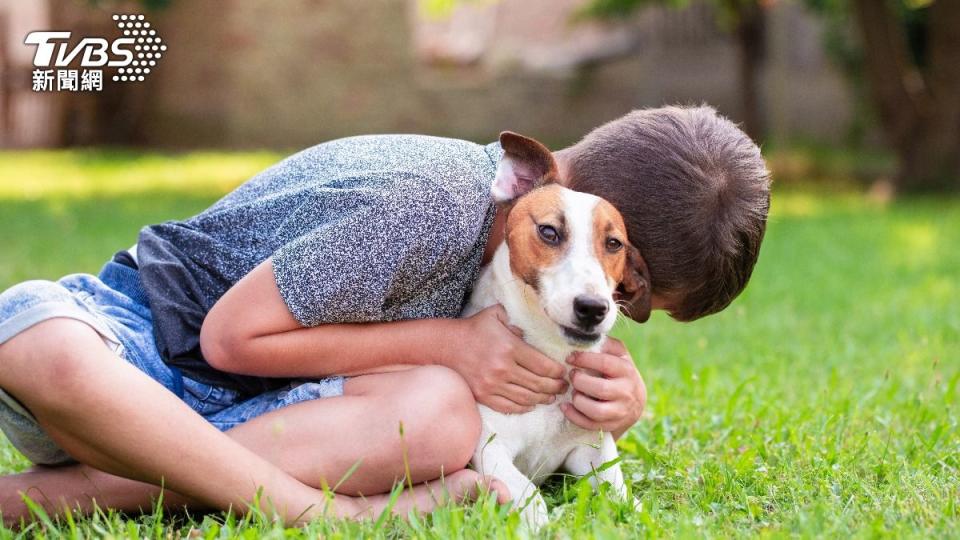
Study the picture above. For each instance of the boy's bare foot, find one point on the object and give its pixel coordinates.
(461, 486)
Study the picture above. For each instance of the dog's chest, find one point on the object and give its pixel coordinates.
(540, 440)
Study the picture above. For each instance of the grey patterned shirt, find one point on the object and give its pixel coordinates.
(374, 228)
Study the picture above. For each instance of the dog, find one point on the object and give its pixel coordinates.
(564, 264)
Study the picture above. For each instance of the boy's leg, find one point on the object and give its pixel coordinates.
(79, 487)
(106, 413)
(318, 441)
(83, 488)
(315, 441)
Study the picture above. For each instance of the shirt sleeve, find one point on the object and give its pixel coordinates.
(351, 269)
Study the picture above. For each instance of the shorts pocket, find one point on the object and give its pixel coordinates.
(207, 399)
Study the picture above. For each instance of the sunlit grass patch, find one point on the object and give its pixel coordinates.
(86, 173)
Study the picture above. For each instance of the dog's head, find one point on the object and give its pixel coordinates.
(570, 250)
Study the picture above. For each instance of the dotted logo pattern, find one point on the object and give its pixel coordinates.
(148, 50)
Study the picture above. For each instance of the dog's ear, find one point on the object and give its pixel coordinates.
(634, 293)
(526, 164)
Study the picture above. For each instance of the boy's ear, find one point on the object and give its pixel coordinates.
(634, 293)
(526, 164)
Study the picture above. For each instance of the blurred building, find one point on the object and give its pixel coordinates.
(293, 73)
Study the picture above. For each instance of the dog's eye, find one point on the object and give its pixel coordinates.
(548, 234)
(614, 245)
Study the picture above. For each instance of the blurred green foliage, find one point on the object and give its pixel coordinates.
(443, 8)
(728, 11)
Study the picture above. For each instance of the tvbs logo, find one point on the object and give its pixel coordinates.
(133, 55)
(94, 50)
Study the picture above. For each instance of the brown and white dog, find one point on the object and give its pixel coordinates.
(564, 264)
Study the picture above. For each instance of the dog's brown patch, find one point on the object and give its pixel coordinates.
(625, 266)
(608, 224)
(529, 254)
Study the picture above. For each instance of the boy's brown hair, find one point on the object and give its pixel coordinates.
(694, 192)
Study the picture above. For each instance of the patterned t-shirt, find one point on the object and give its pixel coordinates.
(374, 228)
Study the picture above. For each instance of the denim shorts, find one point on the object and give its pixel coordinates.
(115, 305)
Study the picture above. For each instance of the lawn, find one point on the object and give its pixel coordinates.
(823, 402)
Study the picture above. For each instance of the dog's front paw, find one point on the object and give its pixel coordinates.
(620, 492)
(534, 515)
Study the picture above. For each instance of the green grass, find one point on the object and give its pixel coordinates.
(823, 403)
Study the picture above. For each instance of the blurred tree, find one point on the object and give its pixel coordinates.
(745, 19)
(911, 53)
(908, 57)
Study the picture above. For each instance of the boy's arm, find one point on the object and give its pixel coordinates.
(251, 331)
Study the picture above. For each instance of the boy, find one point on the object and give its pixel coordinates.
(251, 312)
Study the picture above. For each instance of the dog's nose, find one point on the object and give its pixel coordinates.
(589, 309)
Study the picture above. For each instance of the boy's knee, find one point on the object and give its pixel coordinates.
(447, 395)
(448, 415)
(52, 354)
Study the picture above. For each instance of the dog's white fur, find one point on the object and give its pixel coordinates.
(522, 450)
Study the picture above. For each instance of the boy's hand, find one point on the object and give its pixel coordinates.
(608, 392)
(503, 371)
